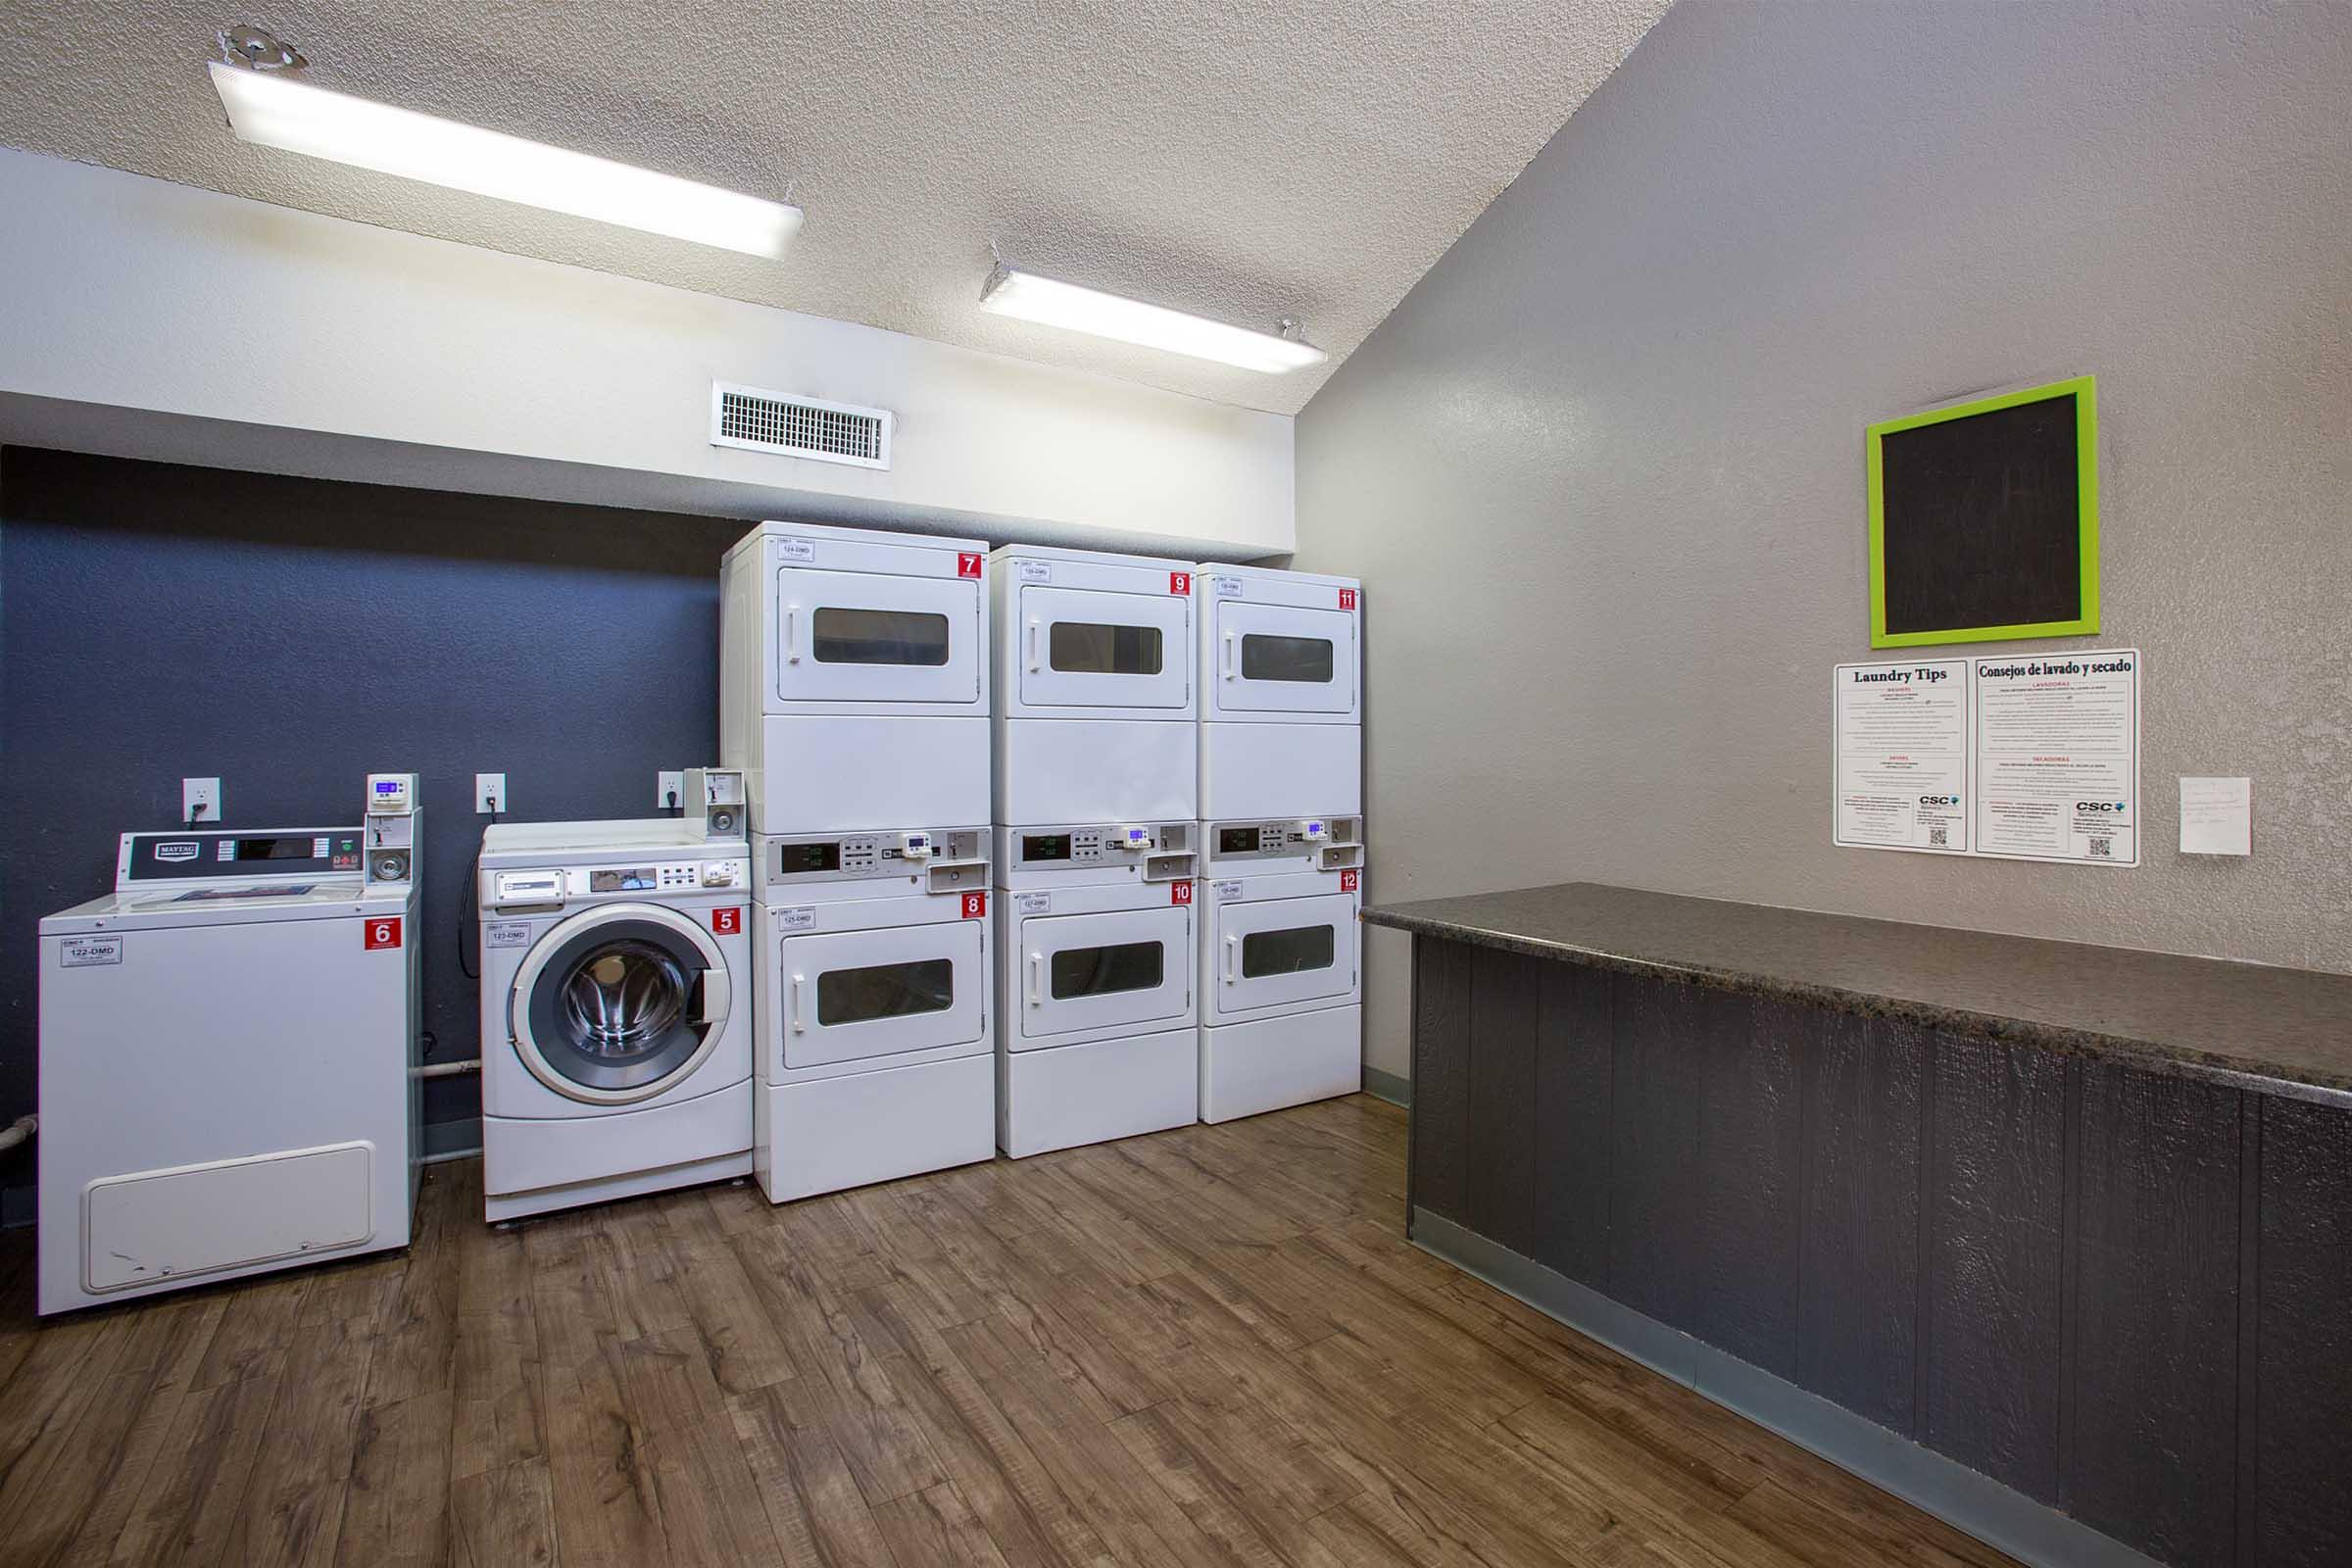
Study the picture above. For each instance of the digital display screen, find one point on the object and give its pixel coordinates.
(793, 858)
(630, 881)
(1044, 845)
(1237, 841)
(287, 847)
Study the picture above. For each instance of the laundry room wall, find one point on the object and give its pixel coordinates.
(292, 635)
(1602, 470)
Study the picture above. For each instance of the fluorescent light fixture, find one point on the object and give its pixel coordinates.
(1032, 298)
(278, 110)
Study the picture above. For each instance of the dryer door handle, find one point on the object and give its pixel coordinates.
(1032, 647)
(794, 1011)
(1037, 972)
(719, 994)
(1227, 667)
(1230, 944)
(792, 634)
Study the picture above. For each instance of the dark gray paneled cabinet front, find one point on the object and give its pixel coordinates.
(2121, 1293)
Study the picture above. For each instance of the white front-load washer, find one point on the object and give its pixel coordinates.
(616, 1012)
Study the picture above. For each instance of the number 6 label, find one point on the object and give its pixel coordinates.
(383, 933)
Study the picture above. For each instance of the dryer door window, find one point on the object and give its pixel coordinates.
(625, 1003)
(863, 636)
(1081, 648)
(1276, 950)
(1093, 971)
(851, 995)
(1277, 658)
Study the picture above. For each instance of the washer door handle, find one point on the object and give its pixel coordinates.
(719, 994)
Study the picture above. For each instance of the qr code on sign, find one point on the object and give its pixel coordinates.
(1940, 837)
(2102, 849)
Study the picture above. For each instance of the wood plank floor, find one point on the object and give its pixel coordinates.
(1207, 1347)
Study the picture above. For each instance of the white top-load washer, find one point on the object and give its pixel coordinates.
(874, 1008)
(853, 677)
(1095, 686)
(1281, 692)
(617, 1018)
(226, 1050)
(1096, 968)
(1281, 971)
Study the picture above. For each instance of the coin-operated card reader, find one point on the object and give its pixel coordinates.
(394, 821)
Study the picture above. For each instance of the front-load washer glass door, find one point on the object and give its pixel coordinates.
(851, 995)
(1275, 950)
(1081, 648)
(1279, 659)
(868, 636)
(1095, 971)
(620, 1003)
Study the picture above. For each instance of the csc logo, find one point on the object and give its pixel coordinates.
(2098, 805)
(1939, 800)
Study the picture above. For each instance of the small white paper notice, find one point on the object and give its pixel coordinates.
(2217, 816)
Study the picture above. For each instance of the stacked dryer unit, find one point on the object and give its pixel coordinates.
(854, 695)
(1096, 741)
(1282, 848)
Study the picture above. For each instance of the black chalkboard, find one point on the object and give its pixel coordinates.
(1985, 520)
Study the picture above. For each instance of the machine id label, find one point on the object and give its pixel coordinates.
(1180, 893)
(1226, 587)
(967, 565)
(1034, 571)
(1347, 599)
(1350, 881)
(800, 919)
(507, 934)
(796, 548)
(727, 922)
(1180, 583)
(975, 905)
(1226, 890)
(383, 932)
(1033, 902)
(81, 953)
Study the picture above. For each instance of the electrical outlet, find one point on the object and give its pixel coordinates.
(490, 793)
(199, 799)
(670, 788)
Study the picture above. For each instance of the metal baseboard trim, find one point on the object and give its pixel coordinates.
(450, 1140)
(1997, 1515)
(1388, 1087)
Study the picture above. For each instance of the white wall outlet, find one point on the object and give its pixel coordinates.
(199, 800)
(490, 793)
(670, 788)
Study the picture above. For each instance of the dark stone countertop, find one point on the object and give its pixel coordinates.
(2251, 1026)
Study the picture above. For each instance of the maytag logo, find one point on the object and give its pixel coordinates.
(182, 850)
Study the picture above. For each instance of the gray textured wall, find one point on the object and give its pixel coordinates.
(1602, 470)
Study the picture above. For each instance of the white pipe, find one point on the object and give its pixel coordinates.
(447, 1069)
(16, 1134)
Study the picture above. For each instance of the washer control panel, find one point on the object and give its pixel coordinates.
(557, 884)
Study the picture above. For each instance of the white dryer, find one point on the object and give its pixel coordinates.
(1281, 692)
(1096, 971)
(1094, 682)
(1281, 971)
(616, 1027)
(853, 677)
(226, 1051)
(875, 1023)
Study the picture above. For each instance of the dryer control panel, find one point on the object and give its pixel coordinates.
(1065, 853)
(864, 865)
(1292, 842)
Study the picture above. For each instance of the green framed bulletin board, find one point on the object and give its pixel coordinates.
(1984, 518)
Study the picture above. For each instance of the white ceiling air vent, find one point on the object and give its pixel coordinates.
(799, 427)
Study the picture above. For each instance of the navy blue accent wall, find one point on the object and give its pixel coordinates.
(290, 636)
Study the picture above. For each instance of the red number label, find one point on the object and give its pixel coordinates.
(727, 922)
(1180, 582)
(967, 565)
(383, 933)
(975, 905)
(1349, 880)
(1180, 893)
(1347, 599)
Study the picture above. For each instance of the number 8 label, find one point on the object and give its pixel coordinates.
(975, 905)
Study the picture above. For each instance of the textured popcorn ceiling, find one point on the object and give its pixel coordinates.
(1244, 162)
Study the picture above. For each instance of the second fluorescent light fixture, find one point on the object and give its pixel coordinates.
(1031, 298)
(278, 109)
